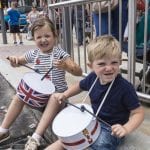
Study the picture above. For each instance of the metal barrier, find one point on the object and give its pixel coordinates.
(67, 23)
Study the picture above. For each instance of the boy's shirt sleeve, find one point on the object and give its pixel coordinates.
(131, 99)
(87, 82)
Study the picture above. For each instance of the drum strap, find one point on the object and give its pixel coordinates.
(51, 65)
(107, 92)
(89, 90)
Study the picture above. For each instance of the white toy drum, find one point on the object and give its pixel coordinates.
(34, 91)
(76, 129)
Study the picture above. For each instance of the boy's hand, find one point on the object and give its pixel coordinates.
(60, 97)
(119, 130)
(14, 61)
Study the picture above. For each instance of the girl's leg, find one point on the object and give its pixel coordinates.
(48, 115)
(55, 146)
(14, 110)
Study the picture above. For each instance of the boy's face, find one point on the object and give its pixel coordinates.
(106, 69)
(44, 39)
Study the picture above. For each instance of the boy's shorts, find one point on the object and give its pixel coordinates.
(14, 29)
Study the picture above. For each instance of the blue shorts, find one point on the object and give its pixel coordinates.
(106, 141)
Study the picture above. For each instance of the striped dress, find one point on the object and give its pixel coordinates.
(43, 62)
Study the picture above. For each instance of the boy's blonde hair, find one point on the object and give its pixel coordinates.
(103, 46)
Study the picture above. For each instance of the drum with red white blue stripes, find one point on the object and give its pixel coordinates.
(34, 91)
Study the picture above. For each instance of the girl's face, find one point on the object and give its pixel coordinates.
(44, 39)
(106, 69)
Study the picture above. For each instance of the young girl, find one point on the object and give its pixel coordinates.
(121, 109)
(46, 56)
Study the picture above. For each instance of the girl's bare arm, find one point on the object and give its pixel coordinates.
(69, 65)
(16, 61)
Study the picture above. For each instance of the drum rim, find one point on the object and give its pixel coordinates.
(69, 135)
(45, 93)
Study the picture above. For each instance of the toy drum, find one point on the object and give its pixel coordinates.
(34, 91)
(76, 129)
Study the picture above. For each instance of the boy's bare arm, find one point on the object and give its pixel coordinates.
(137, 117)
(71, 91)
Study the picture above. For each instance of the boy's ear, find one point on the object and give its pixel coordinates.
(120, 61)
(89, 65)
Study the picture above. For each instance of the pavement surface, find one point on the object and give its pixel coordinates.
(10, 78)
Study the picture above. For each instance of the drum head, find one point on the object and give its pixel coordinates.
(71, 120)
(34, 81)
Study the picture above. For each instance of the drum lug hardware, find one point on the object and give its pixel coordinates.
(87, 135)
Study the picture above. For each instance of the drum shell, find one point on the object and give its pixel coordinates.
(30, 95)
(80, 141)
(83, 138)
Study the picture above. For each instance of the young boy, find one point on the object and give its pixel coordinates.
(121, 108)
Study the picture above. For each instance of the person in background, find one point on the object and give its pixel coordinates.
(77, 21)
(32, 16)
(121, 112)
(114, 20)
(9, 3)
(47, 55)
(14, 22)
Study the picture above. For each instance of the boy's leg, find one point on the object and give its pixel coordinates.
(55, 146)
(52, 108)
(105, 140)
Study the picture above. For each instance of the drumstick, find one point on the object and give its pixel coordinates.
(46, 73)
(49, 70)
(36, 70)
(83, 108)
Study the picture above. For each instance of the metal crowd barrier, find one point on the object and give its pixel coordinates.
(68, 36)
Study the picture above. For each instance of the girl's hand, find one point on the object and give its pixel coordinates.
(14, 61)
(61, 64)
(119, 130)
(68, 65)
